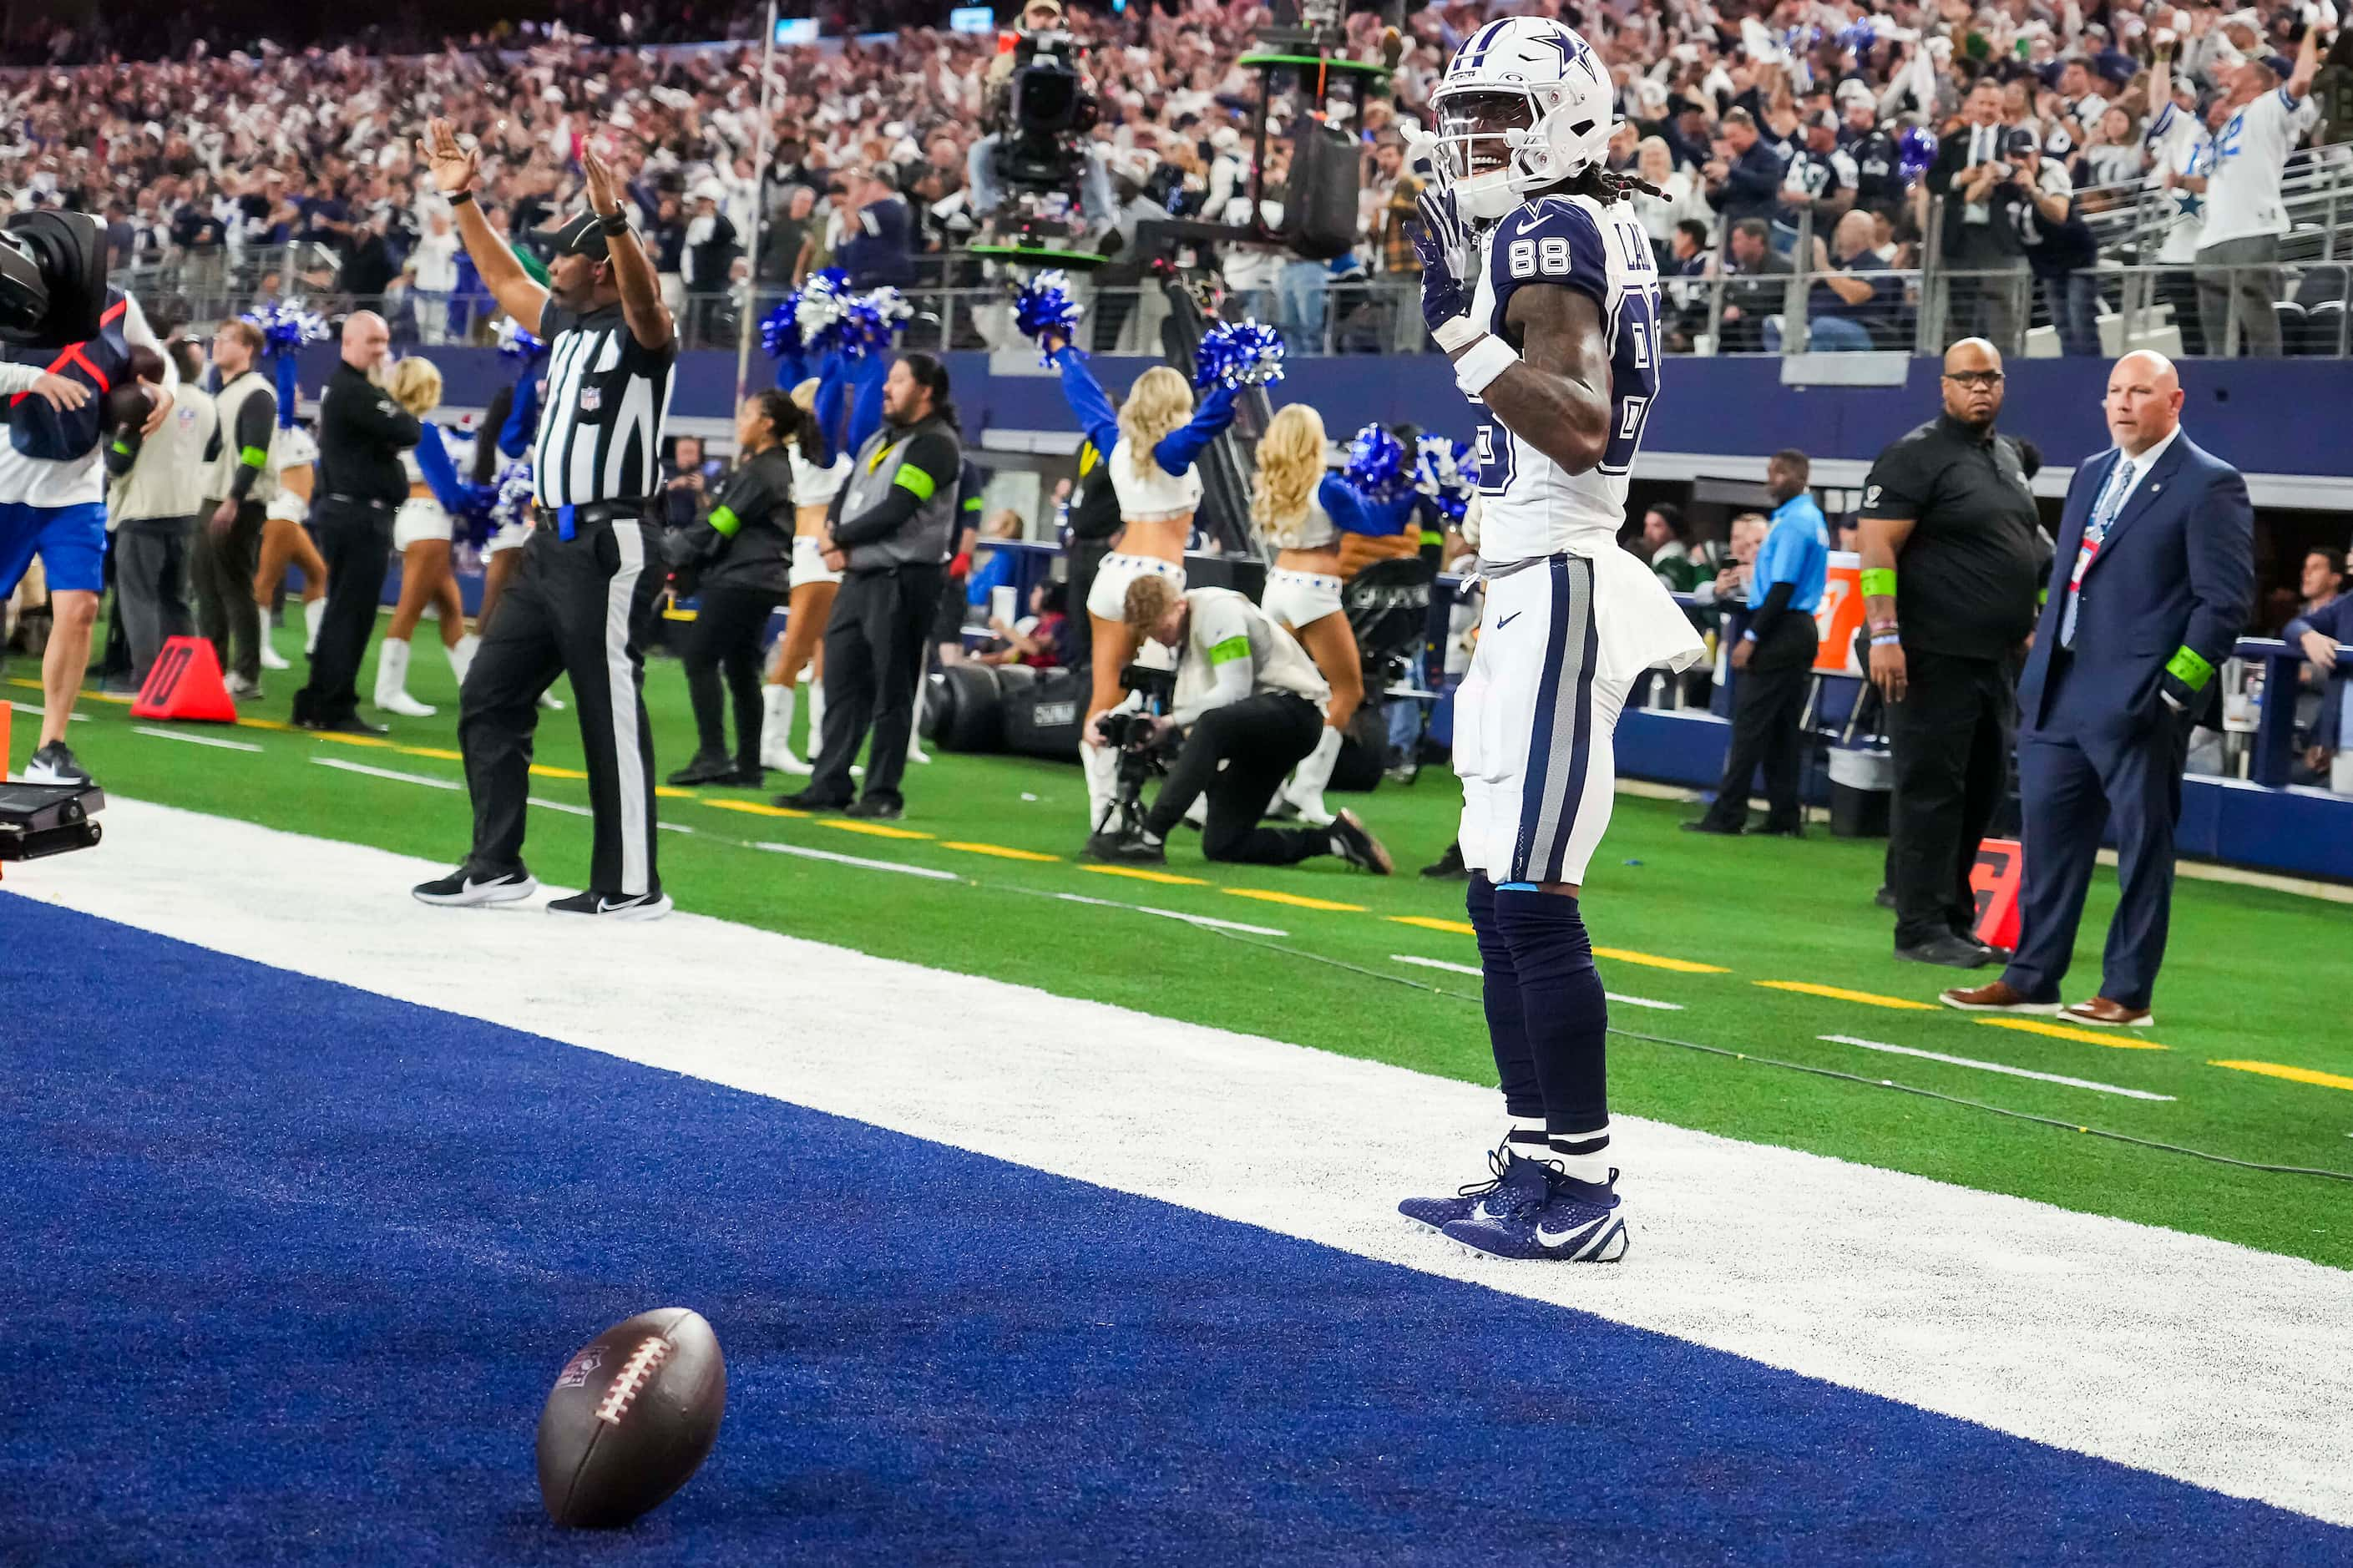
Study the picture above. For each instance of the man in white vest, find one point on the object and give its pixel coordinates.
(225, 552)
(156, 490)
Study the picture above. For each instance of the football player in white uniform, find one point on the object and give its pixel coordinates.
(1539, 282)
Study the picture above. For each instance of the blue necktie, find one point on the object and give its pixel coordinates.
(2103, 517)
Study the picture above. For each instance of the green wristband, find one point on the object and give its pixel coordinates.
(1879, 582)
(2186, 667)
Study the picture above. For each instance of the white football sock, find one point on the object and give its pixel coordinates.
(392, 680)
(1100, 765)
(314, 615)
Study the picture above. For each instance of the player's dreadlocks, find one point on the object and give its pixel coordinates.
(1608, 188)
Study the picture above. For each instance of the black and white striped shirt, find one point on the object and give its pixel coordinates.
(608, 396)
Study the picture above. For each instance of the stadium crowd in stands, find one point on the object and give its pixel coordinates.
(1747, 114)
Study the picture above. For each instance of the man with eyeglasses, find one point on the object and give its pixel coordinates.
(1952, 562)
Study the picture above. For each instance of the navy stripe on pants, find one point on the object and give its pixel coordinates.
(1552, 781)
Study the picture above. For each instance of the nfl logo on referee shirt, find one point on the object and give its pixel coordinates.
(591, 399)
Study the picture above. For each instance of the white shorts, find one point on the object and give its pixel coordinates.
(808, 562)
(419, 520)
(1107, 600)
(1300, 599)
(286, 507)
(1535, 719)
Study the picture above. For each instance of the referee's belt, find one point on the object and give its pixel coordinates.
(371, 503)
(569, 520)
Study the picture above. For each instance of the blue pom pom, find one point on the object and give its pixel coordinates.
(1238, 353)
(1377, 465)
(285, 326)
(1044, 305)
(517, 345)
(780, 331)
(1445, 472)
(870, 322)
(1917, 150)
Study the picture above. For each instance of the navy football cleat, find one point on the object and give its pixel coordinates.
(1578, 1222)
(1517, 1182)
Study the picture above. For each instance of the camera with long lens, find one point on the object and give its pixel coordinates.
(52, 278)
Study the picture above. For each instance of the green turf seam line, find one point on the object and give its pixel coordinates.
(1823, 1072)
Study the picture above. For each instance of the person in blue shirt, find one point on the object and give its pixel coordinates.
(1774, 656)
(2326, 635)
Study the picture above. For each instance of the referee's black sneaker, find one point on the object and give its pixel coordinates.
(707, 767)
(350, 724)
(52, 765)
(614, 906)
(469, 885)
(809, 800)
(1354, 843)
(877, 809)
(1952, 951)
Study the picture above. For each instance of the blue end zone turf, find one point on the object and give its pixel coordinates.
(291, 1267)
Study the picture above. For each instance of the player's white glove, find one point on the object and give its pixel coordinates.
(1449, 258)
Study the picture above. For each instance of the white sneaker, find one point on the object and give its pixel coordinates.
(270, 657)
(551, 702)
(784, 762)
(392, 682)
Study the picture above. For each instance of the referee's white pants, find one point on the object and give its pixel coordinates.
(577, 607)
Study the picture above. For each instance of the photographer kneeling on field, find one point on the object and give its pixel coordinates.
(1249, 698)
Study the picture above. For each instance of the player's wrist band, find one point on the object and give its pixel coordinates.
(1884, 638)
(1878, 582)
(1456, 333)
(614, 223)
(458, 198)
(1489, 358)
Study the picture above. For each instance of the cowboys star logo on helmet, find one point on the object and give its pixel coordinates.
(1524, 106)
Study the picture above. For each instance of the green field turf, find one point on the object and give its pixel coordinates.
(2245, 980)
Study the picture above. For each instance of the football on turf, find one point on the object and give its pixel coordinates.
(631, 1416)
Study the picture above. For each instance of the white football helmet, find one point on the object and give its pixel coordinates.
(1571, 106)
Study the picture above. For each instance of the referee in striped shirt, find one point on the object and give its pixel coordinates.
(585, 592)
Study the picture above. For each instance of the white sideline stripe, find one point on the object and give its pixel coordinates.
(1474, 969)
(351, 767)
(2002, 1067)
(565, 807)
(899, 865)
(164, 734)
(38, 711)
(1209, 921)
(2175, 1353)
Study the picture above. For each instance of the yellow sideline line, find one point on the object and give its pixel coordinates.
(1296, 900)
(999, 850)
(2115, 1039)
(354, 739)
(1432, 923)
(438, 754)
(541, 770)
(1840, 994)
(262, 725)
(2294, 1075)
(1652, 961)
(1169, 879)
(753, 808)
(872, 829)
(668, 791)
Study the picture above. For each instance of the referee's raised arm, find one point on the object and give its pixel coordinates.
(649, 319)
(456, 173)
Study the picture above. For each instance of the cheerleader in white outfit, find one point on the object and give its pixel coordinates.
(817, 477)
(1152, 439)
(293, 458)
(420, 532)
(1301, 510)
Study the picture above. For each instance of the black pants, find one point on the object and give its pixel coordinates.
(221, 567)
(150, 586)
(726, 641)
(1086, 558)
(1950, 739)
(1767, 702)
(355, 542)
(1260, 740)
(874, 648)
(580, 607)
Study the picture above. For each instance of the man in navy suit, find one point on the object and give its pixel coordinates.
(2153, 580)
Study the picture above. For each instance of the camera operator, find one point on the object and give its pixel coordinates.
(1252, 705)
(1042, 107)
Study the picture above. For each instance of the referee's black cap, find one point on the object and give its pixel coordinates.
(584, 235)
